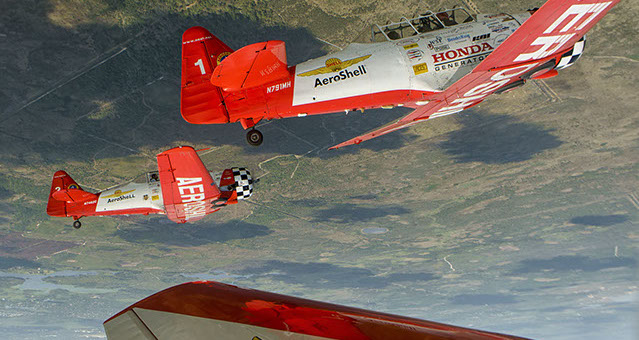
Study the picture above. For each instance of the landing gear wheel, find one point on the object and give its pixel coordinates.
(254, 137)
(77, 224)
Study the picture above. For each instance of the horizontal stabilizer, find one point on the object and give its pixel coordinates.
(251, 66)
(73, 195)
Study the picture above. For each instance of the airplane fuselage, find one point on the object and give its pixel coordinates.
(405, 71)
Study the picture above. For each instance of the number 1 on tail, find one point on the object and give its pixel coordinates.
(201, 65)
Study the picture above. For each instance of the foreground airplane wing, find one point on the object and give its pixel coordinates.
(532, 49)
(212, 310)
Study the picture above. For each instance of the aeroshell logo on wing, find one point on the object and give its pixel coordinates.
(337, 65)
(192, 195)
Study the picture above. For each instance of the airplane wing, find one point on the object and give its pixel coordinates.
(542, 39)
(187, 187)
(206, 309)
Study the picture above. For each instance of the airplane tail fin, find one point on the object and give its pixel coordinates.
(61, 181)
(202, 102)
(188, 190)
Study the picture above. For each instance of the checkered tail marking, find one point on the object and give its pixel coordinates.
(244, 183)
(571, 56)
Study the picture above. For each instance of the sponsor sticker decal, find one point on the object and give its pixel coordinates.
(441, 48)
(432, 44)
(407, 41)
(499, 28)
(72, 186)
(334, 65)
(121, 198)
(118, 193)
(461, 37)
(415, 54)
(342, 75)
(409, 46)
(222, 56)
(420, 68)
(337, 65)
(481, 37)
(461, 56)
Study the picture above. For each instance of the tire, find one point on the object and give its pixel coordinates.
(254, 137)
(77, 224)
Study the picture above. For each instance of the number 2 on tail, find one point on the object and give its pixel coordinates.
(201, 65)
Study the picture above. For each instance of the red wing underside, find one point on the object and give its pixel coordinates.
(554, 28)
(187, 187)
(197, 310)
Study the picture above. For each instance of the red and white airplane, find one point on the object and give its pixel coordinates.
(212, 310)
(436, 63)
(182, 189)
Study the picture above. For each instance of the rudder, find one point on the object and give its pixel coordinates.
(201, 102)
(61, 181)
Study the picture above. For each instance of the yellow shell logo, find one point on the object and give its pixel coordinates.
(222, 56)
(118, 193)
(334, 64)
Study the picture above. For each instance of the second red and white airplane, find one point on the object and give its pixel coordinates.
(436, 63)
(182, 189)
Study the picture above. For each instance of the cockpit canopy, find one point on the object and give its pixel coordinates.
(422, 23)
(147, 177)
